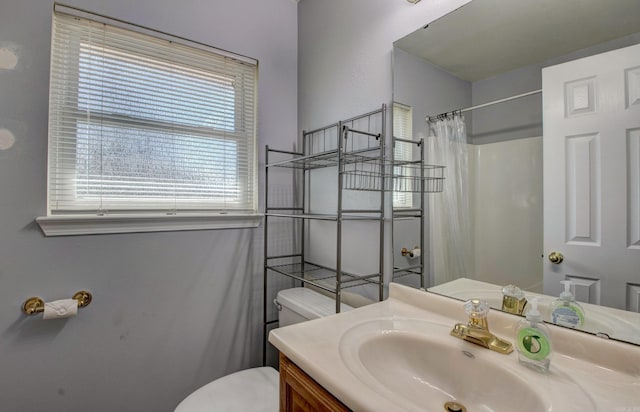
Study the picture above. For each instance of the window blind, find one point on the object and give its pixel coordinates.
(139, 123)
(402, 151)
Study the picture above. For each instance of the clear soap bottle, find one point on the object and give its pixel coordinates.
(565, 311)
(533, 340)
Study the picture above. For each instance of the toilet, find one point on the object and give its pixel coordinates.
(256, 389)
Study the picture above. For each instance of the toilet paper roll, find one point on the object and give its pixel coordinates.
(416, 252)
(59, 309)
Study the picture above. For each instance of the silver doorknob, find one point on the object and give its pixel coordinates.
(556, 257)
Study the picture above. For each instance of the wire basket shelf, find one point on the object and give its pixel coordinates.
(374, 174)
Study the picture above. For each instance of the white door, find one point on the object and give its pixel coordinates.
(591, 109)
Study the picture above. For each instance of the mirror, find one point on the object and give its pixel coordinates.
(486, 51)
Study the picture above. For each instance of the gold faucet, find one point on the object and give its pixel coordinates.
(513, 300)
(477, 330)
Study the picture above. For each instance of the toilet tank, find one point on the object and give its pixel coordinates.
(300, 304)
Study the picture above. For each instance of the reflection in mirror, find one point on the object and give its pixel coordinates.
(488, 224)
(609, 322)
(407, 202)
(412, 179)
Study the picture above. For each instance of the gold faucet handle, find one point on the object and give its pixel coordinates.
(476, 308)
(513, 300)
(477, 311)
(513, 291)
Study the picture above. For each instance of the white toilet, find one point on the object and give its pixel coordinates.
(256, 389)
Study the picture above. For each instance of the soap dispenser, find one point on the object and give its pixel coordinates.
(565, 311)
(533, 340)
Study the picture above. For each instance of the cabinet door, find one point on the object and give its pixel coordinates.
(300, 393)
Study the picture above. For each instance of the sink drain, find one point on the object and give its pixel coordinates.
(454, 407)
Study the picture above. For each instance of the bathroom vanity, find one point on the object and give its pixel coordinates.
(299, 392)
(398, 355)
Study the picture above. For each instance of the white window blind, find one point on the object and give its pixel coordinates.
(144, 124)
(402, 151)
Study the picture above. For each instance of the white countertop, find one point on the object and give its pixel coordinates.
(608, 371)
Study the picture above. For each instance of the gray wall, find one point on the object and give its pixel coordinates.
(344, 68)
(515, 119)
(345, 53)
(171, 310)
(428, 89)
(521, 118)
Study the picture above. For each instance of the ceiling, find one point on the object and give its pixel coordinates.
(487, 37)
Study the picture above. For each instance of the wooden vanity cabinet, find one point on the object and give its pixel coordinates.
(300, 393)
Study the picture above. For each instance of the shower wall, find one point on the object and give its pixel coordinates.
(506, 212)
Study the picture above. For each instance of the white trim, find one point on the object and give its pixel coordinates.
(89, 225)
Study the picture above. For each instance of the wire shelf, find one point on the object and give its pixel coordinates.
(369, 173)
(322, 276)
(313, 161)
(418, 178)
(336, 146)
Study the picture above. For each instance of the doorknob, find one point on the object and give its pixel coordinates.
(556, 257)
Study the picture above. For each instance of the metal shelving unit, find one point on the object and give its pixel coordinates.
(355, 149)
(414, 177)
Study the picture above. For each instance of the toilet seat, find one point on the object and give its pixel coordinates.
(254, 390)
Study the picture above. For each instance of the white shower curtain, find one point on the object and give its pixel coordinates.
(449, 212)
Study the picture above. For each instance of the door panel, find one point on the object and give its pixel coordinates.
(633, 177)
(583, 188)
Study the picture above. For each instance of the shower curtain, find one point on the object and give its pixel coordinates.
(449, 219)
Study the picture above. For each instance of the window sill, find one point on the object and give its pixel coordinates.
(89, 225)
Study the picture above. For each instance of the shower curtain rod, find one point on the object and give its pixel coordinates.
(506, 99)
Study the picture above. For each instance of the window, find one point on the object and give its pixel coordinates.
(402, 151)
(141, 123)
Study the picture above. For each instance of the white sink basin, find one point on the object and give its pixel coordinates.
(419, 364)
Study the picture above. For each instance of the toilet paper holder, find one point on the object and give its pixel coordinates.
(410, 252)
(35, 304)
